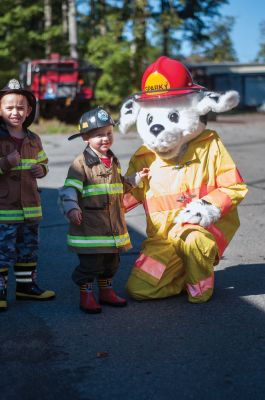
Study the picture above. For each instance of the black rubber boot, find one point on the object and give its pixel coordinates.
(3, 300)
(31, 291)
(3, 288)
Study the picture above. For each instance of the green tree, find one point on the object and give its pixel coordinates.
(120, 36)
(123, 37)
(181, 22)
(113, 57)
(219, 47)
(139, 41)
(23, 33)
(261, 54)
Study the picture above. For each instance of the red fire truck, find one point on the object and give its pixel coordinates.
(62, 86)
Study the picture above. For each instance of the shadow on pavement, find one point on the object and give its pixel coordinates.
(164, 349)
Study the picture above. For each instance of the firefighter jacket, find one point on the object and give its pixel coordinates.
(19, 195)
(99, 194)
(205, 171)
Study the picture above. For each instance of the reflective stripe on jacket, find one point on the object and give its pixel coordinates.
(100, 198)
(206, 171)
(19, 195)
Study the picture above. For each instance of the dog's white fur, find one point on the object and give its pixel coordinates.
(166, 125)
(200, 213)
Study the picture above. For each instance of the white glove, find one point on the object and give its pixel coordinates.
(198, 212)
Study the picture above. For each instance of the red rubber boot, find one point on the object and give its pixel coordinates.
(88, 302)
(107, 294)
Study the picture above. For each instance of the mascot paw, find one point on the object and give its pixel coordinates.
(198, 212)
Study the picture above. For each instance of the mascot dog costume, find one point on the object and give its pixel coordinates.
(191, 195)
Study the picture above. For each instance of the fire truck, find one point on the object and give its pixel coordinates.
(63, 86)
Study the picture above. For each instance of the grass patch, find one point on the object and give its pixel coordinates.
(53, 127)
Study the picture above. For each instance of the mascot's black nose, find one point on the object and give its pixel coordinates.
(156, 129)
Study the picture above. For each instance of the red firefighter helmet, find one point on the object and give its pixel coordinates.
(166, 78)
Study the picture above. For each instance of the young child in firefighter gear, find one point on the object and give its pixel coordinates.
(91, 199)
(22, 162)
(194, 187)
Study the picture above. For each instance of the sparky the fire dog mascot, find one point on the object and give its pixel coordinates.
(194, 187)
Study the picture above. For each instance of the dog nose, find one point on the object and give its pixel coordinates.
(156, 129)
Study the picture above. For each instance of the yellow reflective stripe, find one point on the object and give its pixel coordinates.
(20, 215)
(122, 240)
(98, 241)
(26, 264)
(74, 183)
(102, 188)
(32, 212)
(41, 156)
(11, 215)
(25, 163)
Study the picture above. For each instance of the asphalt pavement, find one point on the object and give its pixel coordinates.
(154, 350)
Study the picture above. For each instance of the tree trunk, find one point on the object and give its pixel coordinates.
(139, 43)
(102, 14)
(64, 17)
(165, 30)
(72, 29)
(47, 23)
(92, 24)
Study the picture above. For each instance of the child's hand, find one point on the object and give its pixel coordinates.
(37, 171)
(144, 173)
(75, 216)
(14, 158)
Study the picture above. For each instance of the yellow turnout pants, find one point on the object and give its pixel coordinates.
(186, 259)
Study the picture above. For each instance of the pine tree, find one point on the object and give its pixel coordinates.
(261, 54)
(219, 46)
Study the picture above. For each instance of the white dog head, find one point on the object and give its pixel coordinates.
(166, 123)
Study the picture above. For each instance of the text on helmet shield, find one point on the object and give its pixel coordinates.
(156, 82)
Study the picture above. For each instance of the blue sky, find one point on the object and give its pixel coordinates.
(246, 33)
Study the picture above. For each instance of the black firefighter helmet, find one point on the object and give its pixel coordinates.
(91, 120)
(13, 86)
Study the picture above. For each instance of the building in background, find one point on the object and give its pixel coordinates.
(247, 79)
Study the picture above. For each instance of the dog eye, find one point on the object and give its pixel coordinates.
(173, 117)
(149, 119)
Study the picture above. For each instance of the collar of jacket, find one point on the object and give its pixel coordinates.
(92, 158)
(4, 134)
(192, 153)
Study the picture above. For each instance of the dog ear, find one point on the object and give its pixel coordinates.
(128, 114)
(217, 102)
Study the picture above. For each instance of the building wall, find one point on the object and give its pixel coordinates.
(248, 80)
